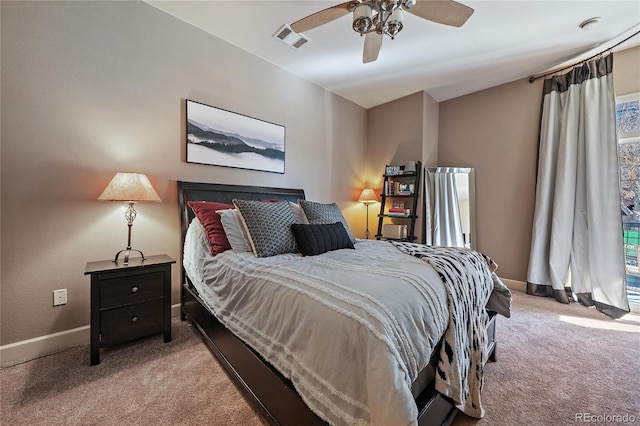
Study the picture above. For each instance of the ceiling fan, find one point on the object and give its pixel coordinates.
(373, 18)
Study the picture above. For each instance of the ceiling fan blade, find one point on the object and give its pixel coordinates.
(372, 45)
(322, 17)
(447, 12)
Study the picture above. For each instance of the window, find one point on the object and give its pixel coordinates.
(628, 127)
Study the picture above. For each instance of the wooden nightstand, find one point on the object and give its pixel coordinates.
(129, 302)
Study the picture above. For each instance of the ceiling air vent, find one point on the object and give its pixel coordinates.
(290, 37)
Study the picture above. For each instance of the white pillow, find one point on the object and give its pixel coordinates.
(298, 213)
(233, 227)
(196, 249)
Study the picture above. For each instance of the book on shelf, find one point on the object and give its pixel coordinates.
(389, 187)
(398, 210)
(392, 187)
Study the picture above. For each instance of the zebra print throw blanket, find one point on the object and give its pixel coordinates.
(467, 278)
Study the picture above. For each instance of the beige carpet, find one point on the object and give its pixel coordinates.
(141, 383)
(554, 361)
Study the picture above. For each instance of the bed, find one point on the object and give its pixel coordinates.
(269, 385)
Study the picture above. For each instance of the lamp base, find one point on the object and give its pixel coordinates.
(366, 232)
(127, 252)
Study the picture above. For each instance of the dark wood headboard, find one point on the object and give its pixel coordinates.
(198, 191)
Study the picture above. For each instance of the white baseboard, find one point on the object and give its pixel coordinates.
(25, 350)
(514, 284)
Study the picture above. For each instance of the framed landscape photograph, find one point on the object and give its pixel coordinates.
(223, 138)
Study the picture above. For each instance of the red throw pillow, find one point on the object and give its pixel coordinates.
(206, 213)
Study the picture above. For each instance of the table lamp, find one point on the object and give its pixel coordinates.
(368, 196)
(131, 188)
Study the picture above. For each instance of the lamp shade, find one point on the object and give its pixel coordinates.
(129, 187)
(368, 196)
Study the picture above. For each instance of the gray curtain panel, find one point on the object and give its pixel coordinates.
(577, 245)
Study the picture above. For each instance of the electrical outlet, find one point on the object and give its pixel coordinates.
(60, 297)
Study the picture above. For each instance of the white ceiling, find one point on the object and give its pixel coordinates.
(501, 42)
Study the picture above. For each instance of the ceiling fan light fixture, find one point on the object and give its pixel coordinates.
(362, 21)
(394, 23)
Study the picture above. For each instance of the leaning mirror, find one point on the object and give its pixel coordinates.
(449, 204)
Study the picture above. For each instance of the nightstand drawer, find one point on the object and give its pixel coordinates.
(129, 322)
(131, 289)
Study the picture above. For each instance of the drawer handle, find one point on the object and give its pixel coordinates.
(134, 289)
(134, 318)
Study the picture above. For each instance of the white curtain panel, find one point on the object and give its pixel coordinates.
(577, 243)
(447, 225)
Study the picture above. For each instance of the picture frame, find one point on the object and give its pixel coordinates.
(393, 170)
(398, 204)
(218, 137)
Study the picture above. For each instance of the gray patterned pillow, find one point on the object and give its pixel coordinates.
(268, 226)
(325, 213)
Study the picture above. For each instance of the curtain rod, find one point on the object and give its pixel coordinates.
(534, 77)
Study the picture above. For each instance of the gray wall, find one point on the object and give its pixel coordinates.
(495, 131)
(93, 88)
(626, 71)
(399, 131)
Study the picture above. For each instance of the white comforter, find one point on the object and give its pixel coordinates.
(351, 342)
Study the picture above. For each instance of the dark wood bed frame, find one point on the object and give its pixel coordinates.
(265, 388)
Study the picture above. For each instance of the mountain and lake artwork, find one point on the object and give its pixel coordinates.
(223, 138)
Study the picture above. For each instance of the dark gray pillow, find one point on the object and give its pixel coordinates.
(320, 238)
(268, 226)
(318, 213)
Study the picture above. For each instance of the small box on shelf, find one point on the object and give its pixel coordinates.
(394, 231)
